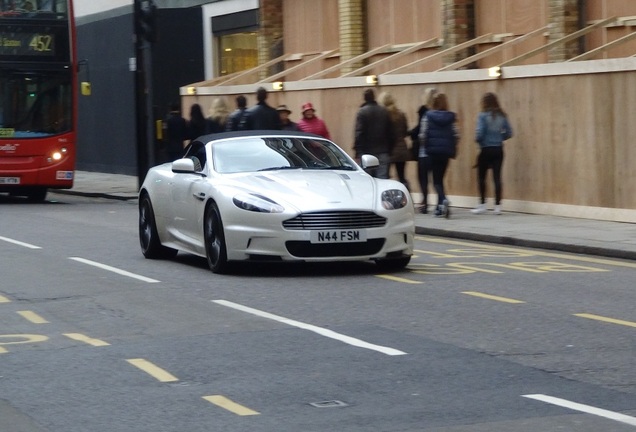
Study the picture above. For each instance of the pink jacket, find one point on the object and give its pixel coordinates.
(315, 126)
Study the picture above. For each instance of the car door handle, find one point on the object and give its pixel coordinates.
(199, 195)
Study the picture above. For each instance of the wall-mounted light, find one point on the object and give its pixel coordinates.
(372, 79)
(192, 90)
(278, 85)
(494, 72)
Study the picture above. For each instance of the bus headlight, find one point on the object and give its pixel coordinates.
(58, 154)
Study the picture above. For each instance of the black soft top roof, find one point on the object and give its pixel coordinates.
(272, 133)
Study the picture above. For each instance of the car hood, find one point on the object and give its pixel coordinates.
(308, 190)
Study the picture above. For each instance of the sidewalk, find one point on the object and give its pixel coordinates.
(609, 239)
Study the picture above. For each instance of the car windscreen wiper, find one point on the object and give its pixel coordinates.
(280, 168)
(335, 168)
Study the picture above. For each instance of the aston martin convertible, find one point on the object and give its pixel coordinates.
(274, 196)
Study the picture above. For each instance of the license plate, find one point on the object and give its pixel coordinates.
(9, 180)
(338, 236)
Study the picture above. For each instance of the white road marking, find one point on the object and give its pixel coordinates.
(321, 331)
(114, 270)
(584, 408)
(19, 243)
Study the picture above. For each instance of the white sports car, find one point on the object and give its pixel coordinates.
(274, 196)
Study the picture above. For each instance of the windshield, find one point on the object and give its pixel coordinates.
(273, 153)
(44, 9)
(35, 104)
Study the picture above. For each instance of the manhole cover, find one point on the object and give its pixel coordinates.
(329, 404)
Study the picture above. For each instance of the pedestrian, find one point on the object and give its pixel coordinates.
(311, 123)
(197, 125)
(493, 128)
(262, 116)
(238, 118)
(374, 134)
(439, 136)
(419, 152)
(176, 132)
(218, 115)
(401, 153)
(286, 123)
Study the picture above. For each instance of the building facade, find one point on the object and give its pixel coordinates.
(551, 55)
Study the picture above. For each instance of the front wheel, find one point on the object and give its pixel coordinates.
(37, 194)
(151, 246)
(393, 264)
(215, 248)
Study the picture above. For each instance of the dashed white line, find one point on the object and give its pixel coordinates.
(19, 243)
(321, 331)
(114, 270)
(584, 408)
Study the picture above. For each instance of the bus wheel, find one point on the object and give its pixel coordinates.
(36, 194)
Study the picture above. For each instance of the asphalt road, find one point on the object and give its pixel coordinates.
(471, 337)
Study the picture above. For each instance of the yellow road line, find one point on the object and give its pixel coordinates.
(399, 279)
(3, 299)
(225, 403)
(492, 297)
(33, 317)
(152, 370)
(3, 350)
(606, 319)
(535, 252)
(83, 338)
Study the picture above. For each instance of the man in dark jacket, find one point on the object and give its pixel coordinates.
(262, 116)
(237, 120)
(175, 129)
(374, 134)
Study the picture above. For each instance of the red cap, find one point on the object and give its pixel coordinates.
(307, 106)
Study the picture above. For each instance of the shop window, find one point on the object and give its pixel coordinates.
(237, 52)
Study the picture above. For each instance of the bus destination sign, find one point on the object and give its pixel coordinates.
(27, 44)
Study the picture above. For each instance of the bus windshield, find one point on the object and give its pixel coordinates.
(35, 104)
(33, 9)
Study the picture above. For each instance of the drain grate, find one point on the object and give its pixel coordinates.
(329, 404)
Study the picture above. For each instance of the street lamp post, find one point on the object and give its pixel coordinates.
(145, 16)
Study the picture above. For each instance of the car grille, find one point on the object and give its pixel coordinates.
(305, 249)
(335, 220)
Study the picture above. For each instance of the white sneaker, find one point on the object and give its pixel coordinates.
(481, 208)
(497, 209)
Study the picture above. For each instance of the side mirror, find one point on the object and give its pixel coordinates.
(369, 161)
(183, 166)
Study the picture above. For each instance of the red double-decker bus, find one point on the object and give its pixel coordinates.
(38, 96)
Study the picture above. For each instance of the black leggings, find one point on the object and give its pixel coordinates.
(490, 157)
(439, 164)
(423, 171)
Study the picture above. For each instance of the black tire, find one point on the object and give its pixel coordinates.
(393, 264)
(37, 195)
(214, 237)
(151, 246)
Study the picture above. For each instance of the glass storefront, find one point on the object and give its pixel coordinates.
(237, 52)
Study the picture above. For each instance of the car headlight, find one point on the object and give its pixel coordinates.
(394, 199)
(256, 203)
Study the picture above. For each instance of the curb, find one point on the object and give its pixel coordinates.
(95, 194)
(536, 244)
